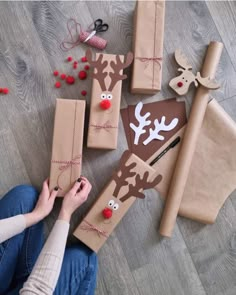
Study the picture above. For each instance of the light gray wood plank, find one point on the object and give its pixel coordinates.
(224, 16)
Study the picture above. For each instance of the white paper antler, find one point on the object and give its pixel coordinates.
(142, 122)
(154, 133)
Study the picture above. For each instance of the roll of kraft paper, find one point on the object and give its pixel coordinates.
(187, 149)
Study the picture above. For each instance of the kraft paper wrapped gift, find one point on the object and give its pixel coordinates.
(67, 144)
(212, 176)
(105, 98)
(133, 176)
(148, 39)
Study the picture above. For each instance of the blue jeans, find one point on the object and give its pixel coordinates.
(19, 254)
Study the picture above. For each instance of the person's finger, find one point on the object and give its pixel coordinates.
(76, 186)
(54, 193)
(45, 185)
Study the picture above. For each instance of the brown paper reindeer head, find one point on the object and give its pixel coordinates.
(123, 178)
(181, 83)
(115, 76)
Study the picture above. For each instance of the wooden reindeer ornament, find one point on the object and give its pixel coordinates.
(181, 83)
(127, 184)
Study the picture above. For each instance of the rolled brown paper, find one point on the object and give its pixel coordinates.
(187, 149)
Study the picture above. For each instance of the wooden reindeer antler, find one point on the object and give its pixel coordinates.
(207, 82)
(100, 66)
(181, 60)
(140, 184)
(117, 67)
(123, 173)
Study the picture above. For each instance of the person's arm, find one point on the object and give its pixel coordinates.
(46, 271)
(9, 227)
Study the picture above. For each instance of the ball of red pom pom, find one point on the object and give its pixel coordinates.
(70, 80)
(83, 92)
(1, 90)
(86, 67)
(75, 66)
(55, 73)
(57, 84)
(5, 90)
(69, 58)
(82, 75)
(107, 213)
(63, 76)
(105, 104)
(84, 59)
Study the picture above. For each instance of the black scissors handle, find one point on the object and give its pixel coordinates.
(99, 26)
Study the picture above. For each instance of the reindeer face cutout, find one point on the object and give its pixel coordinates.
(100, 74)
(132, 180)
(182, 83)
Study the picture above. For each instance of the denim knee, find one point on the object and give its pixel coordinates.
(25, 195)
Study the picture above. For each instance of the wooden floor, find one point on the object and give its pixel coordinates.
(135, 260)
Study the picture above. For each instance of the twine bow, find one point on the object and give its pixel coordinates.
(90, 227)
(106, 126)
(156, 60)
(64, 165)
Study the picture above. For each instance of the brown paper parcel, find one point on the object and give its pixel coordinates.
(67, 144)
(212, 176)
(148, 46)
(127, 184)
(103, 124)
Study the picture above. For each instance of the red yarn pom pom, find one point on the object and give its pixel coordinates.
(63, 76)
(83, 92)
(82, 75)
(1, 90)
(75, 66)
(105, 104)
(58, 84)
(70, 80)
(55, 73)
(180, 84)
(5, 90)
(75, 62)
(84, 59)
(86, 67)
(107, 213)
(69, 58)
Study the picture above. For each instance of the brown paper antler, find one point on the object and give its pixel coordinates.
(140, 184)
(100, 66)
(123, 173)
(117, 67)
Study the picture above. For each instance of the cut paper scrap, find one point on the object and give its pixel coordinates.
(142, 122)
(182, 83)
(170, 108)
(212, 176)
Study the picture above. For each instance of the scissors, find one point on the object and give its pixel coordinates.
(99, 26)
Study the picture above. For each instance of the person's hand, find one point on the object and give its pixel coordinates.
(44, 205)
(74, 198)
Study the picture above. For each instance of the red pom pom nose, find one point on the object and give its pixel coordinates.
(105, 104)
(107, 213)
(180, 84)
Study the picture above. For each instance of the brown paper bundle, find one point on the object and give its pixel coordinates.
(127, 184)
(189, 141)
(148, 46)
(106, 88)
(67, 144)
(212, 175)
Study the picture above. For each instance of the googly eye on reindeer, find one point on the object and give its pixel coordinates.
(182, 83)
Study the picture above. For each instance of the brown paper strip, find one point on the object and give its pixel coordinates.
(67, 146)
(189, 141)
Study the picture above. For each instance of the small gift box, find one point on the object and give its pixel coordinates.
(105, 98)
(148, 46)
(127, 184)
(67, 144)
